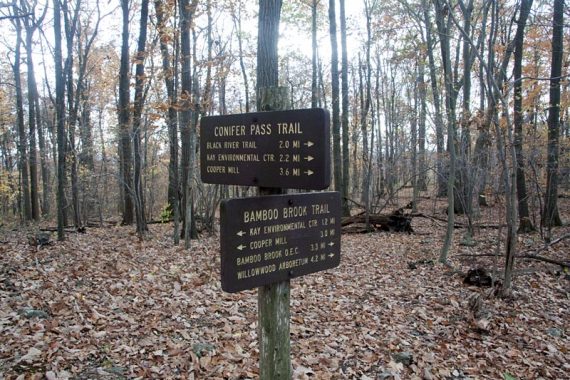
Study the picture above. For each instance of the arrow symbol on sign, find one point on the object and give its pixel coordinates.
(309, 172)
(331, 244)
(240, 233)
(241, 247)
(331, 255)
(309, 144)
(309, 158)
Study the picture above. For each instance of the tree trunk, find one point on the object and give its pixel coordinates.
(525, 224)
(137, 114)
(188, 137)
(440, 174)
(550, 216)
(198, 110)
(124, 120)
(173, 177)
(323, 89)
(83, 159)
(314, 73)
(366, 67)
(60, 122)
(355, 174)
(70, 22)
(22, 135)
(45, 170)
(388, 105)
(267, 58)
(379, 154)
(422, 92)
(464, 193)
(86, 156)
(482, 143)
(337, 159)
(364, 107)
(83, 98)
(236, 16)
(450, 97)
(414, 139)
(32, 122)
(345, 113)
(104, 168)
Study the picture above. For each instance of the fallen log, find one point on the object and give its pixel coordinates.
(395, 222)
(457, 224)
(69, 229)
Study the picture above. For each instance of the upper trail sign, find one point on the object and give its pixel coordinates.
(281, 149)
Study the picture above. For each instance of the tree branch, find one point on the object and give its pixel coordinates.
(545, 259)
(546, 246)
(13, 17)
(541, 78)
(531, 254)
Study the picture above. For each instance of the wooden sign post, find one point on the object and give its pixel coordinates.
(267, 240)
(273, 300)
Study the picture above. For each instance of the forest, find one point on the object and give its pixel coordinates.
(449, 147)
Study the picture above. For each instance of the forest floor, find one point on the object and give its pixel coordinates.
(104, 305)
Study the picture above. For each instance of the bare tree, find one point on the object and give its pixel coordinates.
(550, 215)
(169, 76)
(31, 25)
(345, 112)
(125, 150)
(443, 23)
(314, 55)
(441, 183)
(188, 129)
(23, 162)
(422, 93)
(60, 122)
(366, 68)
(71, 14)
(138, 192)
(464, 191)
(236, 17)
(525, 224)
(337, 159)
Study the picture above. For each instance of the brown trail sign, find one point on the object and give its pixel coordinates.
(274, 238)
(279, 149)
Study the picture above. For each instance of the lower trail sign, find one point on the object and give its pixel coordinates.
(274, 238)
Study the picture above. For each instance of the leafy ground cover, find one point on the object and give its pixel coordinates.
(105, 305)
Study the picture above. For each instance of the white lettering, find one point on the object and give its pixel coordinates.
(229, 130)
(260, 215)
